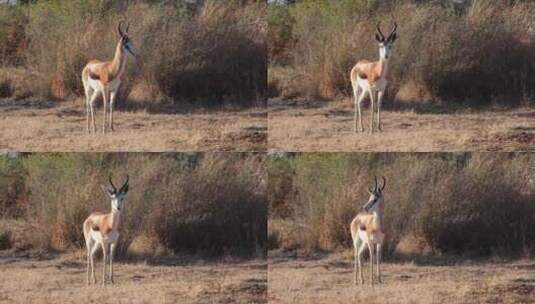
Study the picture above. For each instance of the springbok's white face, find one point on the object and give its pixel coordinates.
(385, 50)
(117, 196)
(376, 197)
(126, 42)
(128, 46)
(374, 202)
(385, 44)
(117, 201)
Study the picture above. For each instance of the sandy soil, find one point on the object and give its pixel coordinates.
(62, 280)
(51, 126)
(328, 126)
(329, 280)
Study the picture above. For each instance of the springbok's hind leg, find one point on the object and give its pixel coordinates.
(92, 108)
(94, 96)
(88, 95)
(359, 255)
(89, 246)
(359, 102)
(355, 262)
(94, 249)
(357, 123)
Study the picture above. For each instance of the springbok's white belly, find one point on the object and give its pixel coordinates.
(379, 85)
(111, 237)
(373, 238)
(113, 86)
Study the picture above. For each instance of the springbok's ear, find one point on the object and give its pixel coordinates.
(378, 38)
(106, 190)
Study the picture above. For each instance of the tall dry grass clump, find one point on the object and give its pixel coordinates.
(477, 53)
(210, 52)
(206, 204)
(475, 204)
(12, 36)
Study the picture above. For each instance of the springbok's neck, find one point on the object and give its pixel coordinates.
(118, 61)
(383, 66)
(116, 216)
(378, 212)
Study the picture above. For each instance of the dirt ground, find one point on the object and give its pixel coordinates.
(40, 126)
(328, 126)
(329, 280)
(61, 279)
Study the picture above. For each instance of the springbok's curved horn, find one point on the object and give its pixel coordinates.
(127, 27)
(125, 185)
(384, 183)
(112, 185)
(119, 28)
(379, 30)
(394, 28)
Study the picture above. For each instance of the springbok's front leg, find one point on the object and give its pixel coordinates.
(105, 96)
(380, 95)
(104, 259)
(372, 103)
(112, 101)
(370, 248)
(378, 262)
(112, 250)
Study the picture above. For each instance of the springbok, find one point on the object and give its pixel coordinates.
(369, 77)
(367, 231)
(105, 77)
(101, 230)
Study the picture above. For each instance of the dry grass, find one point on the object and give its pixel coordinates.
(469, 204)
(206, 51)
(472, 52)
(47, 126)
(329, 280)
(316, 126)
(210, 204)
(62, 280)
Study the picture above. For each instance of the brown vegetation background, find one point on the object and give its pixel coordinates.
(468, 204)
(474, 52)
(207, 204)
(196, 53)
